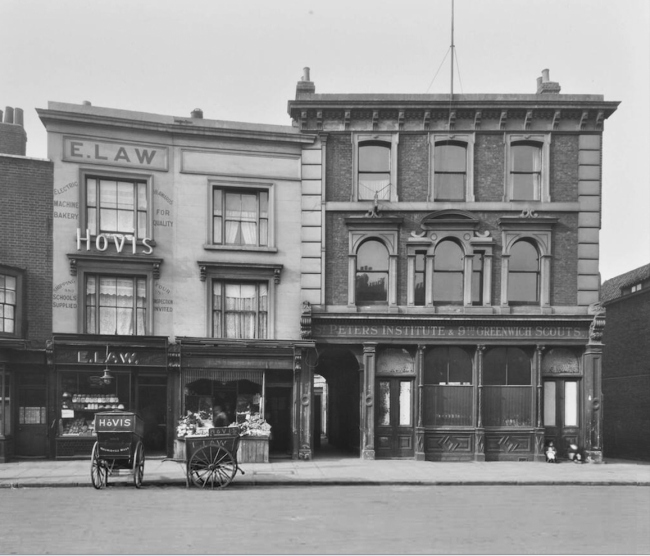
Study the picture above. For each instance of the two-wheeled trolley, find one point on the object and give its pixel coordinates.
(211, 460)
(118, 447)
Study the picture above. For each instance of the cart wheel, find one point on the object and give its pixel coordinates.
(98, 471)
(138, 465)
(211, 466)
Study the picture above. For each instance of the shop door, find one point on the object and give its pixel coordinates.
(152, 407)
(278, 414)
(394, 418)
(31, 433)
(562, 413)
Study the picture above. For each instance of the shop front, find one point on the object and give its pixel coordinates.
(461, 389)
(252, 384)
(96, 373)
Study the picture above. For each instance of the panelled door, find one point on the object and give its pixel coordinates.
(31, 432)
(394, 418)
(562, 413)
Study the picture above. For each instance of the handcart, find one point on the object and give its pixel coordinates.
(118, 448)
(211, 460)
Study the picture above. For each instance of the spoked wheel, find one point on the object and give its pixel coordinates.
(98, 470)
(138, 464)
(211, 466)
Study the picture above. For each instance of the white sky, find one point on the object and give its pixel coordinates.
(240, 60)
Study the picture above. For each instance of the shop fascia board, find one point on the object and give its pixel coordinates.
(102, 340)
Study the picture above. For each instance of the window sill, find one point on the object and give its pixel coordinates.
(255, 248)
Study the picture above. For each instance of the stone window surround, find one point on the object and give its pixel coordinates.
(468, 139)
(544, 140)
(19, 274)
(391, 139)
(241, 183)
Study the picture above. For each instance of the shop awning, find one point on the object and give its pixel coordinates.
(223, 375)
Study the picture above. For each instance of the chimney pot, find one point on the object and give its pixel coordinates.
(197, 113)
(9, 115)
(305, 74)
(86, 103)
(545, 76)
(18, 116)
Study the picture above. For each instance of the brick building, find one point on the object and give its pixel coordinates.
(25, 291)
(626, 371)
(450, 270)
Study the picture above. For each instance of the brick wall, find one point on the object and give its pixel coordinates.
(626, 377)
(564, 168)
(339, 168)
(26, 236)
(13, 139)
(413, 168)
(489, 161)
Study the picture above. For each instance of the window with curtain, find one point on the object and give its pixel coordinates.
(508, 390)
(450, 171)
(116, 305)
(448, 273)
(240, 309)
(117, 206)
(240, 217)
(523, 273)
(525, 171)
(372, 273)
(8, 301)
(374, 170)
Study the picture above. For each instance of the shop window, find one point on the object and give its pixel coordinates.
(372, 273)
(11, 301)
(117, 205)
(240, 310)
(448, 275)
(240, 217)
(528, 168)
(5, 402)
(448, 393)
(450, 171)
(375, 165)
(524, 273)
(507, 392)
(115, 305)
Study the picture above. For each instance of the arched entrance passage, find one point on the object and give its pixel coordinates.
(340, 368)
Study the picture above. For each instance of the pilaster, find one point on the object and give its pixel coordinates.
(368, 401)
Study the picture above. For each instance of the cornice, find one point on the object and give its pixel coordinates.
(179, 127)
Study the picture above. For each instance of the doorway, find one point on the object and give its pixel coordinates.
(31, 432)
(278, 414)
(152, 407)
(562, 413)
(394, 418)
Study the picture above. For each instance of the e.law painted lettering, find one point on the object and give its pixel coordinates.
(114, 153)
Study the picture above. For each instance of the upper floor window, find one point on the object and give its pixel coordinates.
(8, 301)
(375, 167)
(419, 274)
(524, 273)
(117, 206)
(11, 301)
(528, 168)
(448, 270)
(526, 171)
(372, 273)
(115, 304)
(450, 171)
(240, 217)
(240, 309)
(374, 170)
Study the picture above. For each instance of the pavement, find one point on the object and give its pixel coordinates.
(341, 471)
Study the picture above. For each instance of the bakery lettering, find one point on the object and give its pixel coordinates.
(102, 241)
(114, 422)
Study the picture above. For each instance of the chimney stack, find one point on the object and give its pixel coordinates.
(13, 139)
(197, 113)
(305, 86)
(544, 86)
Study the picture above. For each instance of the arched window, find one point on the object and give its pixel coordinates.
(525, 170)
(506, 367)
(372, 273)
(523, 273)
(450, 171)
(374, 170)
(448, 273)
(447, 366)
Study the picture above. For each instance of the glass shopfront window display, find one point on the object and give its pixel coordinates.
(82, 394)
